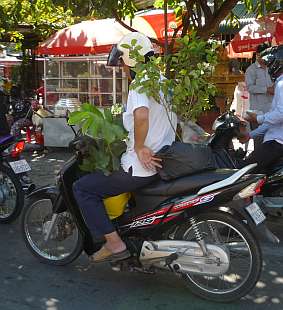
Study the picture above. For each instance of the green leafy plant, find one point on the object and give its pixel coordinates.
(188, 85)
(108, 136)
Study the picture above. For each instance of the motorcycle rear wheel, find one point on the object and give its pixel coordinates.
(12, 195)
(244, 251)
(65, 243)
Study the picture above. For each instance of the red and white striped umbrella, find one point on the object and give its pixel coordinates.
(98, 36)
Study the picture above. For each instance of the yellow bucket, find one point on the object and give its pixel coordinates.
(115, 206)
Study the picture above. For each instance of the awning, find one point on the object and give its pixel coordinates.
(268, 28)
(9, 61)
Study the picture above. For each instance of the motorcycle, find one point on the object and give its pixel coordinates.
(229, 126)
(200, 227)
(12, 184)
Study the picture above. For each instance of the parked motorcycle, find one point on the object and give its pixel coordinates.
(229, 126)
(12, 186)
(199, 227)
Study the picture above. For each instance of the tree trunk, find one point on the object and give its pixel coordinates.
(211, 26)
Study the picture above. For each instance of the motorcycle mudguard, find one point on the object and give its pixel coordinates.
(45, 190)
(260, 231)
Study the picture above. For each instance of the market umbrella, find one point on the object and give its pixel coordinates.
(268, 28)
(98, 36)
(87, 37)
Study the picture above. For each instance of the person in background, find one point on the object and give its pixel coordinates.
(21, 111)
(271, 122)
(260, 88)
(40, 92)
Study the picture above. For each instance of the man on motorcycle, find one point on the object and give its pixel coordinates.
(149, 130)
(271, 123)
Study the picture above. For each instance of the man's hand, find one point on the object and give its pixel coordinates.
(251, 117)
(270, 90)
(147, 158)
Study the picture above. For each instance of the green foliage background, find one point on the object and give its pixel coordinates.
(188, 85)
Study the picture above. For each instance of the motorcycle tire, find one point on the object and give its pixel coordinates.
(19, 197)
(254, 250)
(43, 256)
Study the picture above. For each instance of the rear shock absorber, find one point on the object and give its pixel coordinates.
(199, 236)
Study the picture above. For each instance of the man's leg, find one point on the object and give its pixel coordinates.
(90, 191)
(266, 154)
(258, 141)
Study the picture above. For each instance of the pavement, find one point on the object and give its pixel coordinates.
(27, 284)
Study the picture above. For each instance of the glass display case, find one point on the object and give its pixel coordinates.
(71, 81)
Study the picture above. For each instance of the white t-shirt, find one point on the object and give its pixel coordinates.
(160, 131)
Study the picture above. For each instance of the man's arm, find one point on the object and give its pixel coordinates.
(259, 131)
(141, 125)
(275, 116)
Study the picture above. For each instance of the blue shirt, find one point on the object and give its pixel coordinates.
(271, 123)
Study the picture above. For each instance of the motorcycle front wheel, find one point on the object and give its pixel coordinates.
(65, 242)
(222, 229)
(11, 195)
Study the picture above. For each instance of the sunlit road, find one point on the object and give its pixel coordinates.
(28, 284)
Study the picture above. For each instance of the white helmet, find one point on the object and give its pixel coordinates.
(118, 51)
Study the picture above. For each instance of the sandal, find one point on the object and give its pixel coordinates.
(105, 255)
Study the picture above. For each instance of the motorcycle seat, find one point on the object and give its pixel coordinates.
(186, 184)
(6, 139)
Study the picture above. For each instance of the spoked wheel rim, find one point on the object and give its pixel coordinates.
(8, 196)
(64, 235)
(241, 259)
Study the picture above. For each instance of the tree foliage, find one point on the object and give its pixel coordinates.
(40, 17)
(205, 16)
(188, 88)
(46, 16)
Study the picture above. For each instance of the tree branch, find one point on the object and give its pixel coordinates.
(206, 10)
(212, 26)
(199, 14)
(186, 22)
(166, 27)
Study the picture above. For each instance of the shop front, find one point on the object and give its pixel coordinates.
(72, 81)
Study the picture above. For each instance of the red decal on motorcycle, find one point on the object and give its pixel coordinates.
(156, 213)
(194, 202)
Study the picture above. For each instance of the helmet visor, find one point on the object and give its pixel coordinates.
(114, 56)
